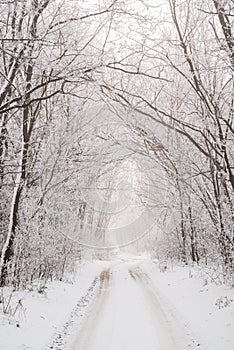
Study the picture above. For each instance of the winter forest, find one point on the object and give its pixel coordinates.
(116, 137)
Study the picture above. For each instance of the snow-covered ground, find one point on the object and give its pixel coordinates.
(204, 308)
(132, 305)
(144, 306)
(127, 317)
(45, 319)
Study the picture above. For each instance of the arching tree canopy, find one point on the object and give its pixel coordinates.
(116, 132)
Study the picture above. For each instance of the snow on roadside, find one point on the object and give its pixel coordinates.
(42, 316)
(205, 309)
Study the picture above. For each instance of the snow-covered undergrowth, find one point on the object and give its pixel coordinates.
(205, 309)
(46, 321)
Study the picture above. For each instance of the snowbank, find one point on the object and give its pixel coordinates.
(205, 309)
(41, 315)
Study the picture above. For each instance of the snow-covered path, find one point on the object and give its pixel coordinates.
(126, 315)
(125, 304)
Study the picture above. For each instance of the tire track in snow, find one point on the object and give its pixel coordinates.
(125, 290)
(170, 334)
(82, 341)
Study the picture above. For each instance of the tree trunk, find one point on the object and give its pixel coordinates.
(7, 251)
(193, 238)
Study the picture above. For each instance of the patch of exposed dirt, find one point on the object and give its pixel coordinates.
(104, 280)
(134, 274)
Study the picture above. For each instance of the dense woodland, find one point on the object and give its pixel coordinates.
(94, 94)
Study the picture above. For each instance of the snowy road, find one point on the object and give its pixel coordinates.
(127, 315)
